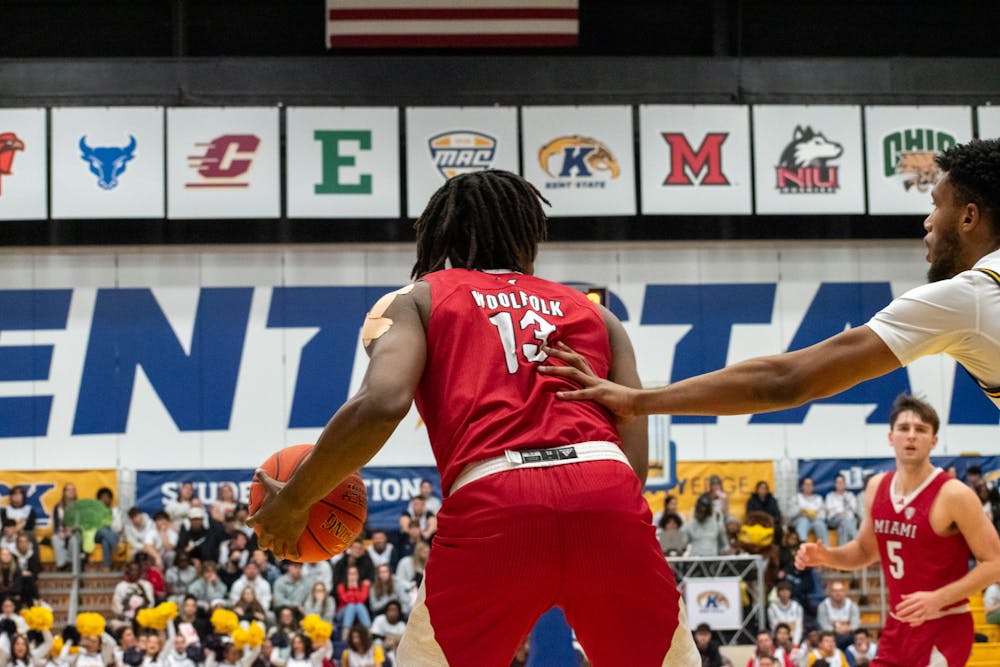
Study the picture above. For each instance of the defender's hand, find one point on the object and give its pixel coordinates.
(278, 526)
(620, 400)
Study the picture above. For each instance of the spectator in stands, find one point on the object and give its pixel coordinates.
(231, 570)
(352, 598)
(380, 550)
(290, 589)
(153, 575)
(719, 498)
(161, 540)
(177, 655)
(974, 476)
(763, 501)
(61, 533)
(225, 504)
(11, 584)
(408, 542)
(179, 578)
(252, 579)
(286, 621)
(410, 572)
(827, 650)
(321, 571)
(201, 539)
(388, 626)
(784, 649)
(708, 648)
(765, 651)
(240, 516)
(361, 651)
(355, 556)
(238, 542)
(131, 594)
(787, 611)
(179, 508)
(706, 531)
(21, 513)
(991, 603)
(24, 654)
(431, 502)
(267, 568)
(384, 590)
(810, 513)
(249, 608)
(109, 535)
(419, 514)
(767, 661)
(320, 602)
(8, 540)
(208, 586)
(188, 623)
(837, 607)
(673, 539)
(136, 528)
(842, 511)
(30, 566)
(862, 651)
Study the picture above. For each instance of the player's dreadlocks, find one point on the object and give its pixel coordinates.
(481, 220)
(974, 171)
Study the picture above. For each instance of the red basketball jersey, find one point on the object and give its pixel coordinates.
(914, 557)
(480, 393)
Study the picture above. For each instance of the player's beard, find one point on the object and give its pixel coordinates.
(946, 262)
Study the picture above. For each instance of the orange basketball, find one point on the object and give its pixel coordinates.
(334, 521)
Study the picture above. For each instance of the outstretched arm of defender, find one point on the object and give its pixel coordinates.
(858, 553)
(756, 385)
(966, 512)
(396, 343)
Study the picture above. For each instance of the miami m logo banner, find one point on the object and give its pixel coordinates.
(695, 167)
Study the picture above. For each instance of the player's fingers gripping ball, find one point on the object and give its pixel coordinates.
(334, 521)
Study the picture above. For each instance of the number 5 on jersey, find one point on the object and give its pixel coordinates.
(504, 322)
(895, 560)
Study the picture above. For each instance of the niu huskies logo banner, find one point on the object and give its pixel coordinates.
(695, 159)
(223, 163)
(23, 150)
(808, 159)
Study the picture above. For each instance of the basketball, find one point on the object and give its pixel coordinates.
(334, 521)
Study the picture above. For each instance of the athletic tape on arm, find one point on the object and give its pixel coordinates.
(375, 323)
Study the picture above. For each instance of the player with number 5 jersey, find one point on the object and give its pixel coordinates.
(922, 524)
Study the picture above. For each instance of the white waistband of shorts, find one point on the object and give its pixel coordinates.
(597, 450)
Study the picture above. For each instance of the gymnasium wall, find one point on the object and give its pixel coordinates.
(203, 357)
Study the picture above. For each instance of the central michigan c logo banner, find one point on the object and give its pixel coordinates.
(462, 151)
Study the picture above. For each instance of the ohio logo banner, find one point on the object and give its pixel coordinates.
(902, 143)
(695, 159)
(989, 122)
(223, 162)
(443, 142)
(342, 162)
(107, 162)
(23, 163)
(808, 159)
(580, 158)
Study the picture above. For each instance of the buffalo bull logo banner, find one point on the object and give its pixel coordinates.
(577, 161)
(804, 164)
(224, 162)
(908, 156)
(9, 145)
(107, 162)
(461, 152)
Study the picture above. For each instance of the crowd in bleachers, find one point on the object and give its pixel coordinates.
(202, 557)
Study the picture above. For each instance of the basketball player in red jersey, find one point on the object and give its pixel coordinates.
(543, 498)
(922, 523)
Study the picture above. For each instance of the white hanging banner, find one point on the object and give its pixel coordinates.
(223, 162)
(581, 158)
(695, 159)
(442, 142)
(902, 143)
(342, 162)
(989, 122)
(107, 162)
(716, 601)
(23, 151)
(808, 159)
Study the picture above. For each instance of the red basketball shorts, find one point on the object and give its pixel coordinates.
(945, 641)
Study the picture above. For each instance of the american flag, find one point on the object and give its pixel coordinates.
(451, 23)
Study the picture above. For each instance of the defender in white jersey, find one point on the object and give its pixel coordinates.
(957, 314)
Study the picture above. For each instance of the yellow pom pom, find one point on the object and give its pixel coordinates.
(224, 621)
(168, 610)
(321, 632)
(57, 647)
(240, 637)
(38, 618)
(308, 623)
(256, 634)
(90, 624)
